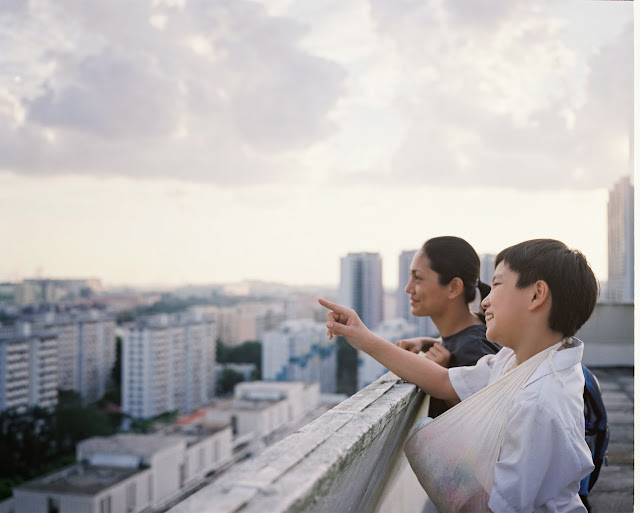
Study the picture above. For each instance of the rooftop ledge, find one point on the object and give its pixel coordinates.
(348, 459)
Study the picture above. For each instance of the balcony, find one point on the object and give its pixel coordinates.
(349, 459)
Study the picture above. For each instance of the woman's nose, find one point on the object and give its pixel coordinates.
(485, 302)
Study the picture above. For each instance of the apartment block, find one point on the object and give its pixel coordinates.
(299, 350)
(168, 364)
(28, 367)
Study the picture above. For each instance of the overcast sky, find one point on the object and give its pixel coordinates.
(173, 142)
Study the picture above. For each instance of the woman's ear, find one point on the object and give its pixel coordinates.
(456, 287)
(539, 294)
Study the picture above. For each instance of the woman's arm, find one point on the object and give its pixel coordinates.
(426, 374)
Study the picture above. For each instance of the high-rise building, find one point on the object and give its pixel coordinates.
(299, 350)
(487, 261)
(620, 239)
(361, 286)
(28, 367)
(168, 363)
(424, 325)
(86, 351)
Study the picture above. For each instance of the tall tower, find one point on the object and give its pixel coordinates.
(424, 325)
(361, 286)
(620, 238)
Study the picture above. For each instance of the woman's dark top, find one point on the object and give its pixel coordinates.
(466, 348)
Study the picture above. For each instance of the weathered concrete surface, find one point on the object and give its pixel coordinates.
(350, 460)
(339, 462)
(613, 492)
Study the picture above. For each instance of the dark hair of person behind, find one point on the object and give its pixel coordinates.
(573, 286)
(453, 257)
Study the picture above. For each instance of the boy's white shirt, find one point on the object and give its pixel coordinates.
(544, 454)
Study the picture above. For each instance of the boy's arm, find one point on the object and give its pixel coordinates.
(428, 375)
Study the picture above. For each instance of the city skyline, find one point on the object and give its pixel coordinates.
(172, 143)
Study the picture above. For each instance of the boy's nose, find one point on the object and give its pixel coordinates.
(485, 302)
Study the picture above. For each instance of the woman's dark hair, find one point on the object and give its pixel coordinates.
(573, 286)
(453, 257)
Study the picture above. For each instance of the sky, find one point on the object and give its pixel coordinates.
(169, 142)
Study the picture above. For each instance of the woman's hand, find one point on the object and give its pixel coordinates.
(416, 344)
(439, 354)
(345, 322)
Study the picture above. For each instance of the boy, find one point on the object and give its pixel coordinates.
(542, 292)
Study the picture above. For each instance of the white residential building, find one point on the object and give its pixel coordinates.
(424, 325)
(620, 241)
(168, 364)
(299, 350)
(248, 321)
(260, 408)
(392, 330)
(128, 473)
(86, 351)
(28, 367)
(361, 286)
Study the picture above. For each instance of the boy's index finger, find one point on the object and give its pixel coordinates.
(331, 306)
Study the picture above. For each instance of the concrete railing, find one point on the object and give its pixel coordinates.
(350, 459)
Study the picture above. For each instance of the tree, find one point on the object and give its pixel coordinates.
(228, 380)
(347, 368)
(247, 352)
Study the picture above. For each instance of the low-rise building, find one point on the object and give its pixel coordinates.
(260, 407)
(128, 473)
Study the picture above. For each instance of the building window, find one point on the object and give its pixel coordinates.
(201, 458)
(105, 504)
(53, 505)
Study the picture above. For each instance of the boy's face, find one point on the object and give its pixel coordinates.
(506, 307)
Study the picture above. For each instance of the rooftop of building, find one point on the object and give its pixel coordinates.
(80, 479)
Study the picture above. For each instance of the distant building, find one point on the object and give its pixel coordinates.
(392, 330)
(424, 325)
(487, 261)
(45, 290)
(361, 286)
(248, 321)
(300, 351)
(86, 350)
(28, 367)
(260, 408)
(128, 473)
(620, 239)
(168, 364)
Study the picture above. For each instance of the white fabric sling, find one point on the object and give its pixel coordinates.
(453, 455)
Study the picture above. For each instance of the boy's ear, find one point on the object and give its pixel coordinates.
(539, 294)
(456, 287)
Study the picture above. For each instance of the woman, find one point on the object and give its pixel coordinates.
(445, 274)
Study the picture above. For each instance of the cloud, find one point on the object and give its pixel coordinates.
(210, 91)
(506, 100)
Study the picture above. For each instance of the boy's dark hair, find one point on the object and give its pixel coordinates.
(573, 286)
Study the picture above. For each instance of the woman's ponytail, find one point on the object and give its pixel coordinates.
(484, 292)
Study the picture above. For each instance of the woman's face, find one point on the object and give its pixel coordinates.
(426, 296)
